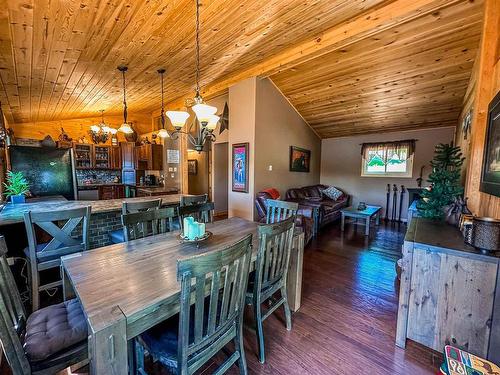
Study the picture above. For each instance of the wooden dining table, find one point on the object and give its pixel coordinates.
(128, 288)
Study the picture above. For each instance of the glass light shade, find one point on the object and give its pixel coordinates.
(212, 122)
(113, 131)
(203, 111)
(95, 128)
(178, 118)
(162, 133)
(106, 129)
(126, 128)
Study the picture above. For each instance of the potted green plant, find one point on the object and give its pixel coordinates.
(16, 187)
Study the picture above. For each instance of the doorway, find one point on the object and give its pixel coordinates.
(220, 167)
(197, 172)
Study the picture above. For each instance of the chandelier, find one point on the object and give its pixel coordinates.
(100, 133)
(205, 114)
(125, 127)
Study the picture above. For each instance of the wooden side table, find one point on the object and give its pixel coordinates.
(366, 215)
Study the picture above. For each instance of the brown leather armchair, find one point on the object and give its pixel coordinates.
(312, 196)
(305, 215)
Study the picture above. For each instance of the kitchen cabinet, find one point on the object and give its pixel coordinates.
(128, 162)
(84, 155)
(116, 157)
(111, 192)
(149, 157)
(102, 157)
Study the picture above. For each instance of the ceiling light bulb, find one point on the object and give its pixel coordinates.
(178, 118)
(212, 122)
(126, 128)
(162, 133)
(203, 111)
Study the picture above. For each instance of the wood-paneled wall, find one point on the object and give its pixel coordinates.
(488, 84)
(78, 127)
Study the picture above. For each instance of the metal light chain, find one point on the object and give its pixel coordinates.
(162, 104)
(124, 98)
(197, 48)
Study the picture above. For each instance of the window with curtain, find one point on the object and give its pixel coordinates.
(387, 159)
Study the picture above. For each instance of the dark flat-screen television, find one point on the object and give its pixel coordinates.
(49, 171)
(490, 176)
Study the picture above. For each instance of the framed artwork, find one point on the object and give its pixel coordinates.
(193, 166)
(300, 159)
(490, 175)
(240, 167)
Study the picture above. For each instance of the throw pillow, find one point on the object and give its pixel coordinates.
(333, 193)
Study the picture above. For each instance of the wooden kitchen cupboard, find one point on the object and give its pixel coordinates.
(116, 157)
(128, 162)
(111, 192)
(449, 292)
(149, 157)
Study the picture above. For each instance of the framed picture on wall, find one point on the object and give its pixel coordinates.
(300, 159)
(240, 167)
(490, 176)
(193, 166)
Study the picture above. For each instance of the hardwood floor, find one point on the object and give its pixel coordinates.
(347, 321)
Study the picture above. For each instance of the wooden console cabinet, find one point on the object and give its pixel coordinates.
(449, 292)
(149, 157)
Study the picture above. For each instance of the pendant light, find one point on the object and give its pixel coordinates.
(100, 133)
(205, 114)
(125, 127)
(163, 133)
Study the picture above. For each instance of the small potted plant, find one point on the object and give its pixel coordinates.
(16, 187)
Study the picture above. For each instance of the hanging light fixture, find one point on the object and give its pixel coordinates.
(163, 133)
(205, 114)
(100, 132)
(125, 127)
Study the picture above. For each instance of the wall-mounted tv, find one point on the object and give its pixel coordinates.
(490, 176)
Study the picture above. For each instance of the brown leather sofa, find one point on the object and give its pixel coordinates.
(305, 215)
(312, 196)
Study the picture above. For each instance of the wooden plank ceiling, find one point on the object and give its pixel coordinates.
(349, 66)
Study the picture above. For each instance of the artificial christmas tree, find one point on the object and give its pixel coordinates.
(444, 182)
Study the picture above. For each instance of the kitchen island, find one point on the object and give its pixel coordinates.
(105, 217)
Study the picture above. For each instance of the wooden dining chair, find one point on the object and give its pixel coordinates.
(280, 210)
(69, 233)
(271, 268)
(201, 212)
(50, 341)
(188, 200)
(118, 236)
(184, 343)
(147, 223)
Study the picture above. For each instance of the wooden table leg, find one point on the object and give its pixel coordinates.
(342, 222)
(67, 287)
(377, 222)
(294, 278)
(367, 226)
(108, 343)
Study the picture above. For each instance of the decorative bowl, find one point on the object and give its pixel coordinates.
(196, 240)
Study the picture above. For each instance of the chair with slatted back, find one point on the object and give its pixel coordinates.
(200, 212)
(280, 210)
(147, 223)
(69, 233)
(118, 236)
(46, 342)
(188, 200)
(187, 341)
(271, 268)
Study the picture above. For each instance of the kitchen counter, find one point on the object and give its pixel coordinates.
(12, 214)
(96, 185)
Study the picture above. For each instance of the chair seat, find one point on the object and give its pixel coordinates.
(53, 329)
(116, 236)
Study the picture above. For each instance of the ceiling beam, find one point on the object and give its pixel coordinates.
(374, 21)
